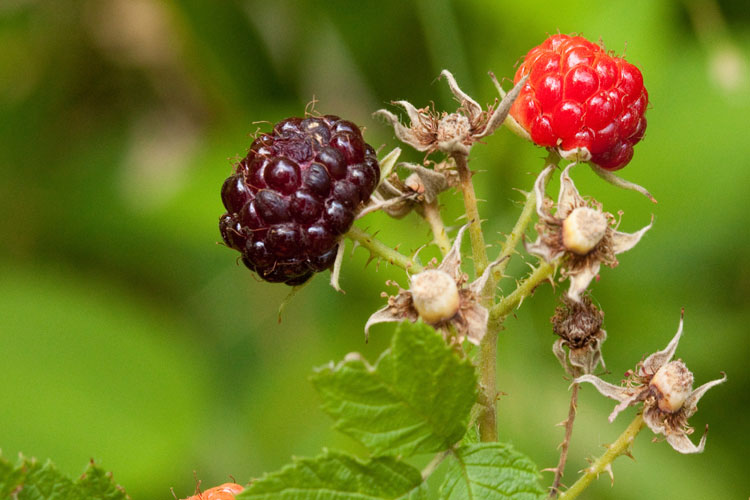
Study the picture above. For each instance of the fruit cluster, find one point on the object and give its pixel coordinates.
(294, 194)
(579, 96)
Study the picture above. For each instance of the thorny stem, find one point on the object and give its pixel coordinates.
(559, 470)
(478, 250)
(620, 447)
(487, 361)
(511, 241)
(431, 213)
(523, 290)
(378, 248)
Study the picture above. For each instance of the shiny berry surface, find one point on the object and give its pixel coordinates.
(580, 96)
(295, 193)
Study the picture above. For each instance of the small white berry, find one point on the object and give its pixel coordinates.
(583, 229)
(672, 384)
(435, 295)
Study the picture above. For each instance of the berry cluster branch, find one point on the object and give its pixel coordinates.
(380, 249)
(527, 213)
(478, 248)
(431, 213)
(525, 288)
(604, 463)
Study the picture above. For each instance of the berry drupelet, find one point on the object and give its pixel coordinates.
(294, 194)
(580, 97)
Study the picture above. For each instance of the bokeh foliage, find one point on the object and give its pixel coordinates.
(128, 336)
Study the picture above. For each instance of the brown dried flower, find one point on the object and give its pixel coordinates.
(666, 389)
(441, 298)
(579, 325)
(450, 133)
(578, 229)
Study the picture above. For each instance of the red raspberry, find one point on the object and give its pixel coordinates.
(294, 194)
(226, 491)
(579, 96)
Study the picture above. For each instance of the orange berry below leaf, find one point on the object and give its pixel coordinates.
(226, 491)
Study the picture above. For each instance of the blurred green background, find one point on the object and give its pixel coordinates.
(127, 335)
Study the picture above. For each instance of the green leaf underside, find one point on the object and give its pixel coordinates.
(336, 476)
(31, 480)
(491, 471)
(416, 399)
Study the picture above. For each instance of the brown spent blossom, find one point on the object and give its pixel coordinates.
(450, 133)
(579, 325)
(441, 298)
(578, 229)
(666, 389)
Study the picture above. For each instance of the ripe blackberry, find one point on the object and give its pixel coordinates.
(580, 96)
(294, 194)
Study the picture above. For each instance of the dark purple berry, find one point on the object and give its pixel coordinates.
(295, 194)
(337, 217)
(282, 174)
(235, 193)
(232, 232)
(305, 207)
(333, 160)
(323, 261)
(272, 207)
(350, 145)
(347, 193)
(317, 180)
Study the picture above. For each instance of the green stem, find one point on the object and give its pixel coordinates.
(487, 358)
(523, 290)
(529, 208)
(619, 447)
(378, 248)
(478, 249)
(431, 213)
(487, 365)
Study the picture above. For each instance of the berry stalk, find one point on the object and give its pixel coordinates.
(478, 249)
(523, 290)
(528, 211)
(620, 447)
(380, 249)
(431, 213)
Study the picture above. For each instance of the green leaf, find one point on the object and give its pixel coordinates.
(336, 476)
(416, 399)
(491, 471)
(30, 480)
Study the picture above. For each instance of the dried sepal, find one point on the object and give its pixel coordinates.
(433, 299)
(665, 388)
(579, 230)
(451, 133)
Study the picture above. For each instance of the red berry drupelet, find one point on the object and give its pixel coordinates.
(294, 194)
(579, 96)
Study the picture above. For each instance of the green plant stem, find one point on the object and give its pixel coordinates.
(529, 208)
(379, 249)
(487, 365)
(431, 213)
(487, 358)
(523, 290)
(619, 447)
(478, 249)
